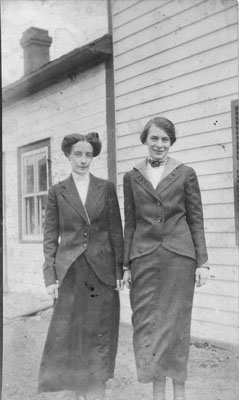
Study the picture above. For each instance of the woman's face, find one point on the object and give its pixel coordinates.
(80, 157)
(158, 143)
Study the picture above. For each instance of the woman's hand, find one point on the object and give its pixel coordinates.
(52, 290)
(201, 275)
(127, 278)
(119, 284)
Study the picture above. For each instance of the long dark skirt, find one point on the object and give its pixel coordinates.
(82, 339)
(161, 300)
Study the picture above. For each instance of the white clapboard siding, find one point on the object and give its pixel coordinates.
(156, 18)
(134, 12)
(77, 113)
(131, 130)
(166, 81)
(220, 239)
(218, 196)
(216, 302)
(208, 167)
(137, 118)
(61, 109)
(225, 318)
(182, 53)
(186, 142)
(64, 108)
(216, 181)
(174, 106)
(221, 334)
(149, 54)
(172, 34)
(179, 59)
(222, 225)
(184, 128)
(151, 13)
(218, 211)
(224, 272)
(124, 5)
(52, 95)
(58, 109)
(224, 256)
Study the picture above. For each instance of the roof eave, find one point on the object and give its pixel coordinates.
(76, 61)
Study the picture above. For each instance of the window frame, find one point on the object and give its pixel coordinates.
(23, 152)
(235, 149)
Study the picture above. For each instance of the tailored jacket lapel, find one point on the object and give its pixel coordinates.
(95, 196)
(169, 175)
(71, 195)
(143, 178)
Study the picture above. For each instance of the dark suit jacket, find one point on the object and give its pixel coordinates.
(171, 215)
(68, 233)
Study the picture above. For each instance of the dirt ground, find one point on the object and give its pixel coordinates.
(213, 372)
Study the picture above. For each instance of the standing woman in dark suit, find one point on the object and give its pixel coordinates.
(83, 247)
(164, 254)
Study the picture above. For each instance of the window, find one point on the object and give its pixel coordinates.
(34, 165)
(235, 145)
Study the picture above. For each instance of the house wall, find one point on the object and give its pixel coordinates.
(76, 105)
(178, 58)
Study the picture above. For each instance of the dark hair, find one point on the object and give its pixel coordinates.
(162, 123)
(70, 140)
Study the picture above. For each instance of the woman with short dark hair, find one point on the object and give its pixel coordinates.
(164, 254)
(83, 248)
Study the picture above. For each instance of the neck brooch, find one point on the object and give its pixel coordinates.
(156, 163)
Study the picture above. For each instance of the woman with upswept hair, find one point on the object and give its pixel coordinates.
(83, 247)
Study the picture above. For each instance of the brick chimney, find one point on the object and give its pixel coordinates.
(36, 44)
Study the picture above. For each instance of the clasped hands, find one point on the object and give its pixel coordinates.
(52, 290)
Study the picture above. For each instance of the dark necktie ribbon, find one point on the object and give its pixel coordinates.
(155, 163)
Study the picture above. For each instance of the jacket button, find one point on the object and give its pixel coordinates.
(84, 244)
(158, 203)
(85, 233)
(159, 219)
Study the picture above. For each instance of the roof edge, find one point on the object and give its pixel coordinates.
(78, 60)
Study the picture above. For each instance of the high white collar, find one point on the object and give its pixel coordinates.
(81, 178)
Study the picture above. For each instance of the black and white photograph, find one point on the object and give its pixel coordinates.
(120, 199)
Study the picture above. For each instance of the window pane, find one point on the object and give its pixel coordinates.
(34, 178)
(42, 172)
(30, 216)
(29, 174)
(41, 203)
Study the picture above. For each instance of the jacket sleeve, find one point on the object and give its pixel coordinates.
(51, 236)
(115, 229)
(194, 216)
(130, 220)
